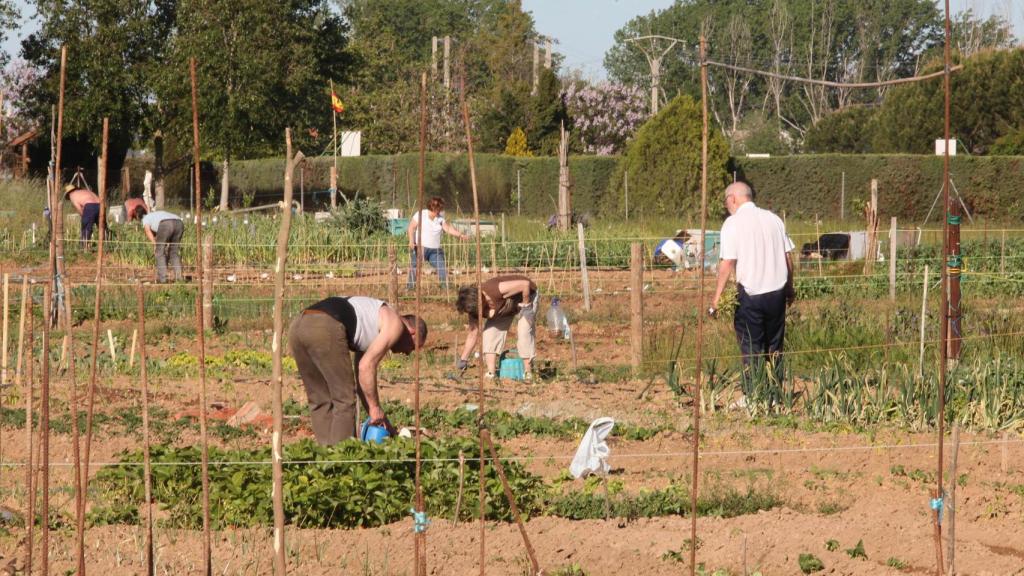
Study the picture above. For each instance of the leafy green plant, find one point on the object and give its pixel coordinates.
(857, 551)
(809, 563)
(894, 562)
(832, 545)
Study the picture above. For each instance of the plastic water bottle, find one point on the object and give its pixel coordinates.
(556, 318)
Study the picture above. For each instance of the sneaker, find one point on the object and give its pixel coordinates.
(489, 376)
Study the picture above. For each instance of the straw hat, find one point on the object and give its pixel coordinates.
(68, 189)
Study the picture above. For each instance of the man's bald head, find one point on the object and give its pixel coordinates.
(739, 189)
(736, 195)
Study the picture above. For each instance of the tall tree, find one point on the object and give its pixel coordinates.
(113, 45)
(262, 66)
(8, 21)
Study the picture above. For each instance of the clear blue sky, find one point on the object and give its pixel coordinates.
(584, 28)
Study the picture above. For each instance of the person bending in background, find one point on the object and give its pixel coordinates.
(164, 230)
(321, 339)
(504, 297)
(87, 204)
(755, 246)
(131, 207)
(433, 223)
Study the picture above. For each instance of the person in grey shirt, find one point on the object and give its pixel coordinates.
(164, 230)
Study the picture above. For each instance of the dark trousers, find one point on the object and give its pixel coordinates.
(760, 324)
(319, 345)
(168, 248)
(90, 218)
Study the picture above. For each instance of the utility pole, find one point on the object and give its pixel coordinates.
(655, 53)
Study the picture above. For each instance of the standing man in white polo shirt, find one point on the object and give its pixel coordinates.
(756, 247)
(433, 223)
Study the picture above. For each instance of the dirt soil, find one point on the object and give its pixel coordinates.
(846, 486)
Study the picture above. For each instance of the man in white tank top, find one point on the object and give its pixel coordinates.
(321, 338)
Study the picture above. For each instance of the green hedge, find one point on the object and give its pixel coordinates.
(803, 186)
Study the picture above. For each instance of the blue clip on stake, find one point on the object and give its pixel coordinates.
(936, 505)
(420, 521)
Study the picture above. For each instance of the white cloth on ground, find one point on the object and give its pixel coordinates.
(592, 455)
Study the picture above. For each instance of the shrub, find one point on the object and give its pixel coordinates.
(664, 162)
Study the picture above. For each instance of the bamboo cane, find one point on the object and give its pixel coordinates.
(30, 470)
(280, 560)
(200, 332)
(44, 432)
(420, 536)
(147, 472)
(479, 320)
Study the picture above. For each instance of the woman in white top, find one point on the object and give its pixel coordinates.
(433, 222)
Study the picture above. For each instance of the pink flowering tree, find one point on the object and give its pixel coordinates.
(15, 81)
(605, 115)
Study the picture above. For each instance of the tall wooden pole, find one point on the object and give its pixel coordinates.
(200, 332)
(636, 301)
(101, 182)
(700, 303)
(480, 313)
(950, 247)
(76, 456)
(277, 379)
(147, 472)
(30, 469)
(892, 258)
(44, 432)
(420, 536)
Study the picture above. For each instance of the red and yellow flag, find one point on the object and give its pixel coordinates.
(336, 104)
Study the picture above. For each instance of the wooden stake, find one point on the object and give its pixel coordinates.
(817, 238)
(480, 311)
(951, 507)
(208, 283)
(697, 401)
(950, 293)
(924, 316)
(6, 327)
(871, 217)
(530, 553)
(420, 535)
(636, 303)
(584, 277)
(200, 333)
(277, 379)
(392, 275)
(131, 354)
(44, 431)
(113, 349)
(147, 472)
(334, 188)
(1004, 460)
(892, 259)
(26, 308)
(101, 182)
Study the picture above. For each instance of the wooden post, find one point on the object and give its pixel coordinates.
(30, 469)
(951, 507)
(419, 507)
(101, 182)
(334, 188)
(564, 193)
(201, 334)
(208, 283)
(44, 432)
(225, 186)
(1004, 453)
(280, 559)
(392, 275)
(447, 62)
(871, 217)
(924, 317)
(636, 302)
(584, 277)
(131, 352)
(158, 171)
(892, 259)
(110, 341)
(1002, 254)
(147, 472)
(817, 239)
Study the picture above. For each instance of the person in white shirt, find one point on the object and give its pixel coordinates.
(433, 223)
(754, 244)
